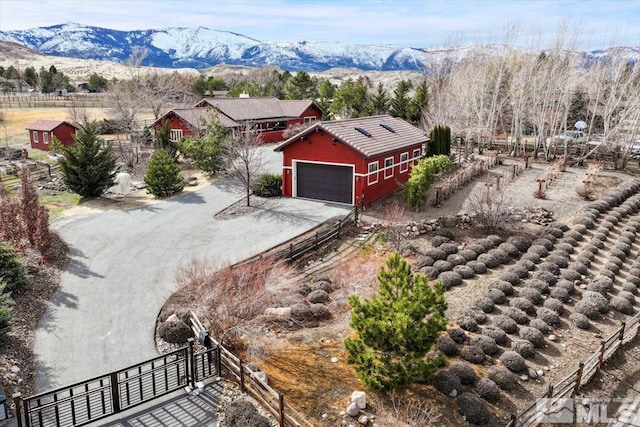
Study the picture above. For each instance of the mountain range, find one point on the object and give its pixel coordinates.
(203, 47)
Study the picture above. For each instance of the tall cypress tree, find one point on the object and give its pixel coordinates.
(87, 168)
(396, 328)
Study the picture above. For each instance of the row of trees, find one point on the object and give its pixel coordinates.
(498, 90)
(46, 80)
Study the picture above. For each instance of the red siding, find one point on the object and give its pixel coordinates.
(176, 122)
(65, 133)
(319, 147)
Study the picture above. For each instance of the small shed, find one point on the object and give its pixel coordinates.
(42, 132)
(355, 161)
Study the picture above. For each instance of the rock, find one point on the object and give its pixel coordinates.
(540, 373)
(334, 360)
(524, 377)
(453, 393)
(359, 398)
(15, 369)
(283, 312)
(173, 319)
(552, 337)
(532, 373)
(353, 410)
(363, 420)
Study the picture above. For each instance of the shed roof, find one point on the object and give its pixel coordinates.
(370, 136)
(48, 125)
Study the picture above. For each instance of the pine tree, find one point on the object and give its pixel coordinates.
(87, 168)
(12, 271)
(400, 100)
(380, 101)
(163, 175)
(396, 328)
(418, 104)
(6, 315)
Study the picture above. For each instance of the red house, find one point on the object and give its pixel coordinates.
(42, 131)
(355, 161)
(269, 116)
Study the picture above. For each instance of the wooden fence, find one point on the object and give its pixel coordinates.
(569, 386)
(250, 383)
(322, 235)
(42, 170)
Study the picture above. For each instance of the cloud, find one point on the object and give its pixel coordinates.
(413, 23)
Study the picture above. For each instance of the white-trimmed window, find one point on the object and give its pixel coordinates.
(372, 177)
(388, 167)
(35, 136)
(309, 120)
(45, 137)
(175, 135)
(404, 162)
(416, 155)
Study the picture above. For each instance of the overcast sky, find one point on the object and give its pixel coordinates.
(411, 23)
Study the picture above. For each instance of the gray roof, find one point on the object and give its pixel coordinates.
(382, 134)
(244, 109)
(194, 116)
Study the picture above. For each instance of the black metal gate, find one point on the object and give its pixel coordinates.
(103, 396)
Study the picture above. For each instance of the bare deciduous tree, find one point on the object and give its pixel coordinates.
(244, 157)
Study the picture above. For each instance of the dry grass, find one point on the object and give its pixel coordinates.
(19, 118)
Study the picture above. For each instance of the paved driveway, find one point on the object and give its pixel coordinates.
(123, 268)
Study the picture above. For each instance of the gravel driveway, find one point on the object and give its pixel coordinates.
(123, 266)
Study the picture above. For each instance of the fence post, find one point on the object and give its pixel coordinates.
(550, 391)
(219, 361)
(624, 324)
(290, 250)
(17, 400)
(192, 363)
(241, 375)
(601, 358)
(316, 240)
(512, 421)
(339, 227)
(280, 410)
(578, 378)
(115, 393)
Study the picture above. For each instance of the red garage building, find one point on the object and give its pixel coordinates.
(355, 161)
(42, 131)
(269, 116)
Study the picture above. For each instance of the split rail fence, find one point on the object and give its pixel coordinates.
(250, 383)
(321, 236)
(569, 386)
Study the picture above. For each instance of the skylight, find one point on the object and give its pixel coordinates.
(387, 127)
(364, 132)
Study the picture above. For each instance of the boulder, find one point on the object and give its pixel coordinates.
(359, 398)
(353, 410)
(284, 312)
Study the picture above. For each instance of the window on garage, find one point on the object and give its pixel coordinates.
(388, 167)
(404, 162)
(372, 177)
(35, 135)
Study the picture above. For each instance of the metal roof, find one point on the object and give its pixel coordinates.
(381, 140)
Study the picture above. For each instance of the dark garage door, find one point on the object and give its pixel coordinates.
(325, 182)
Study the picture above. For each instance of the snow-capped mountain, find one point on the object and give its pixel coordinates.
(203, 47)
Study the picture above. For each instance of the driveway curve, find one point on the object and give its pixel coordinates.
(123, 267)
